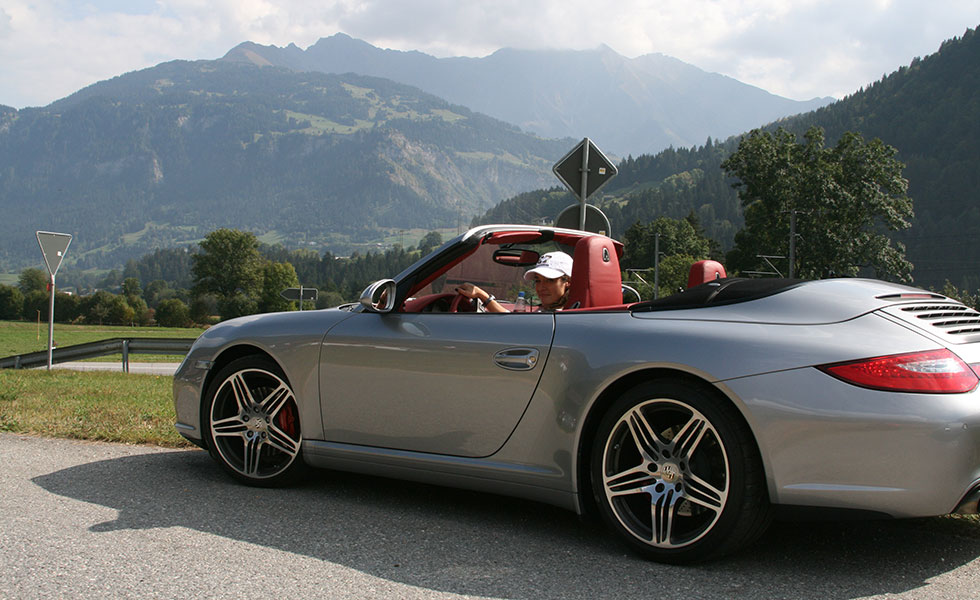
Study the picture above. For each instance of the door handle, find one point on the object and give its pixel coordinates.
(517, 359)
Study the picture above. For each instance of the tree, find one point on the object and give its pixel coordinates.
(11, 302)
(112, 280)
(96, 307)
(32, 279)
(134, 298)
(172, 312)
(103, 307)
(156, 292)
(677, 236)
(237, 305)
(141, 312)
(66, 307)
(841, 199)
(36, 305)
(964, 296)
(429, 242)
(277, 276)
(328, 299)
(203, 307)
(682, 243)
(131, 287)
(120, 312)
(674, 270)
(230, 267)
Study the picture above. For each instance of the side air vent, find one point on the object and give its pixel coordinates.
(954, 322)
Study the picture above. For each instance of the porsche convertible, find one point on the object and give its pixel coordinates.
(685, 423)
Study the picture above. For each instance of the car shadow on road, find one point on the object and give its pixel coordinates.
(471, 543)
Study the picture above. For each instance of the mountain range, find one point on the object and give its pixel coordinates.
(167, 154)
(163, 156)
(629, 106)
(266, 139)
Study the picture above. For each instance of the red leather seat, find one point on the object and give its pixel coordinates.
(596, 279)
(704, 271)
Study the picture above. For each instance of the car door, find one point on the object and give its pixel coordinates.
(445, 383)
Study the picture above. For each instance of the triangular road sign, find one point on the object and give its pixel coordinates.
(53, 247)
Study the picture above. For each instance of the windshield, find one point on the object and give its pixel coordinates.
(502, 281)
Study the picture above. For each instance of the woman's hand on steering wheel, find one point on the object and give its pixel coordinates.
(469, 291)
(457, 300)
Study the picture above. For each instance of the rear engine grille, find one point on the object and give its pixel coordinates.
(955, 322)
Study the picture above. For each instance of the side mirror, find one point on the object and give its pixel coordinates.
(379, 297)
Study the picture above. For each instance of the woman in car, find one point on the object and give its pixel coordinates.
(552, 280)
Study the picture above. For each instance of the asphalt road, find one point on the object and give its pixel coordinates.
(87, 520)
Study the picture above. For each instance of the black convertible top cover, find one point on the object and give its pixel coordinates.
(719, 292)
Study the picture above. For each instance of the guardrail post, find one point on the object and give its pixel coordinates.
(125, 356)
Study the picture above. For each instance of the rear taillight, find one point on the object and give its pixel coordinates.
(934, 371)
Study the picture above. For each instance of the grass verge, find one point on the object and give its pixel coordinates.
(104, 406)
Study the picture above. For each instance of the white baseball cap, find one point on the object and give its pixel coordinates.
(551, 265)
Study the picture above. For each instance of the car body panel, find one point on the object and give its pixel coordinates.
(292, 338)
(429, 382)
(845, 447)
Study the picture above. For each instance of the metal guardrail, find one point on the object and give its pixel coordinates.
(125, 346)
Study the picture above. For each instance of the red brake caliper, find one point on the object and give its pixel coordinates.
(286, 420)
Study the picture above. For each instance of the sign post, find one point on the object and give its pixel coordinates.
(595, 220)
(301, 293)
(584, 170)
(53, 249)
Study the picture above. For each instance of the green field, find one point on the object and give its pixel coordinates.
(101, 406)
(22, 337)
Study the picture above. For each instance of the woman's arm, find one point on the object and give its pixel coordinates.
(489, 302)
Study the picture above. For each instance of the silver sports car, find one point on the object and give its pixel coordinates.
(687, 423)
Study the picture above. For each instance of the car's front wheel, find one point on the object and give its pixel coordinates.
(252, 422)
(675, 473)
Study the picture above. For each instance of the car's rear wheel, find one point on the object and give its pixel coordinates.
(252, 422)
(676, 474)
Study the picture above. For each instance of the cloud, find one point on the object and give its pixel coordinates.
(799, 49)
(832, 47)
(5, 28)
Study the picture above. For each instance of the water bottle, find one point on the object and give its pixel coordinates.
(521, 304)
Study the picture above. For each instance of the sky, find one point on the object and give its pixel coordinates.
(799, 49)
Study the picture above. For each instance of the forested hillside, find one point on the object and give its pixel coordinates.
(673, 183)
(168, 154)
(929, 111)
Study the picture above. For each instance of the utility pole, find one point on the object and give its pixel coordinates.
(792, 241)
(656, 265)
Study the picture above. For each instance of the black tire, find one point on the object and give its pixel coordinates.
(251, 423)
(676, 474)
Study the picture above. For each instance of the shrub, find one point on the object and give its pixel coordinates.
(11, 303)
(173, 313)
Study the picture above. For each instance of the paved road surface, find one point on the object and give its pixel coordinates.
(88, 520)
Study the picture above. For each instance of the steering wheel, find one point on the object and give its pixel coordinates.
(454, 305)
